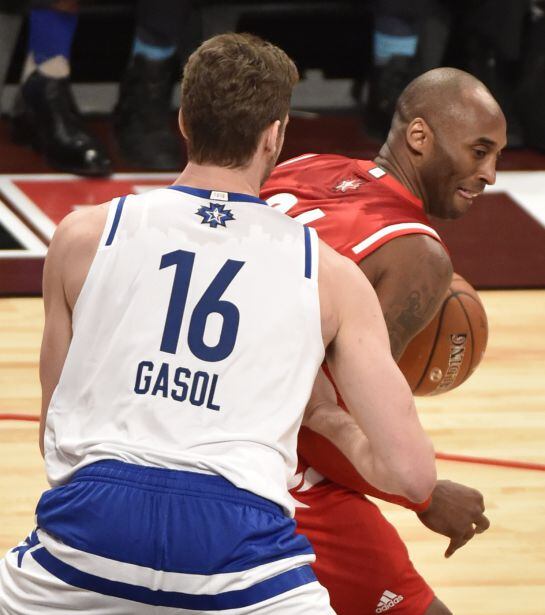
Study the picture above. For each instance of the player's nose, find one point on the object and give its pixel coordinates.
(487, 172)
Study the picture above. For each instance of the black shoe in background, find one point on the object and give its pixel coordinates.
(385, 85)
(47, 118)
(143, 116)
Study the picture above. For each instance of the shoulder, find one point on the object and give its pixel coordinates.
(81, 224)
(308, 167)
(73, 248)
(417, 247)
(313, 160)
(409, 255)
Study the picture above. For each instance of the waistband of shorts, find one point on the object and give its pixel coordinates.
(172, 481)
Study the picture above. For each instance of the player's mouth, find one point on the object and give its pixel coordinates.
(468, 194)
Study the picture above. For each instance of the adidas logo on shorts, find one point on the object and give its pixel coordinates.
(387, 601)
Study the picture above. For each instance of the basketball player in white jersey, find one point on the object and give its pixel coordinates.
(184, 330)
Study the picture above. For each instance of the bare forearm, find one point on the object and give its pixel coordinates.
(340, 429)
(383, 407)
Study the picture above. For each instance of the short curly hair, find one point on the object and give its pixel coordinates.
(233, 87)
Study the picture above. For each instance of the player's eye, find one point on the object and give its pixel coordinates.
(480, 153)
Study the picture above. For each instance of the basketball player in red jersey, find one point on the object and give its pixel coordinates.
(440, 154)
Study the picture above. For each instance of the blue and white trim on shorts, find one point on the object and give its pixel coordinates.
(227, 549)
(138, 584)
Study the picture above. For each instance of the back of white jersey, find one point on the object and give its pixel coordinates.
(196, 340)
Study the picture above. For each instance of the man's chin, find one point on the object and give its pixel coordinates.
(454, 214)
(448, 211)
(458, 207)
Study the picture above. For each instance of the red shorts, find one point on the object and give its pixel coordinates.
(360, 558)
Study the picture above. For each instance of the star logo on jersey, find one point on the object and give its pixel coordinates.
(348, 184)
(215, 215)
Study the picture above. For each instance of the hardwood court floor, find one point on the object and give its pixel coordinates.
(499, 412)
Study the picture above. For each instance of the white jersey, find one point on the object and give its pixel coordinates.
(196, 341)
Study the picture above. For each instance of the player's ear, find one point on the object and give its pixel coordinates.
(419, 135)
(271, 136)
(181, 123)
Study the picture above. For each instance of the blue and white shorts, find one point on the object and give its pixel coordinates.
(121, 539)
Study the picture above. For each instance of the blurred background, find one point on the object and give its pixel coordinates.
(91, 88)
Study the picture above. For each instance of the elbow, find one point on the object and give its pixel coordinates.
(413, 478)
(420, 476)
(420, 486)
(415, 471)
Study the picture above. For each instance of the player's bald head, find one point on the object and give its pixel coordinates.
(442, 97)
(446, 136)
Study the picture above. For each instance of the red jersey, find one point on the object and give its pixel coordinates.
(355, 206)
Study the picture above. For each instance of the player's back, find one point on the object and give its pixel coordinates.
(183, 353)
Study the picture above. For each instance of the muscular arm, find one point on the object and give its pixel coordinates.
(324, 417)
(331, 442)
(337, 446)
(411, 275)
(398, 457)
(58, 325)
(67, 263)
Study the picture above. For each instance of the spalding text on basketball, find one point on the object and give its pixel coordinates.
(455, 359)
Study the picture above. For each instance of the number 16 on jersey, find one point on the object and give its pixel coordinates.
(202, 385)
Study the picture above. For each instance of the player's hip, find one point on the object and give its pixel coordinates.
(168, 538)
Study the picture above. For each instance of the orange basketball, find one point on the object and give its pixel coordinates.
(450, 348)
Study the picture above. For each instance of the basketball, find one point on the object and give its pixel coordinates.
(449, 349)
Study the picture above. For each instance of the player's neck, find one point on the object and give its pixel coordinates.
(213, 177)
(402, 169)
